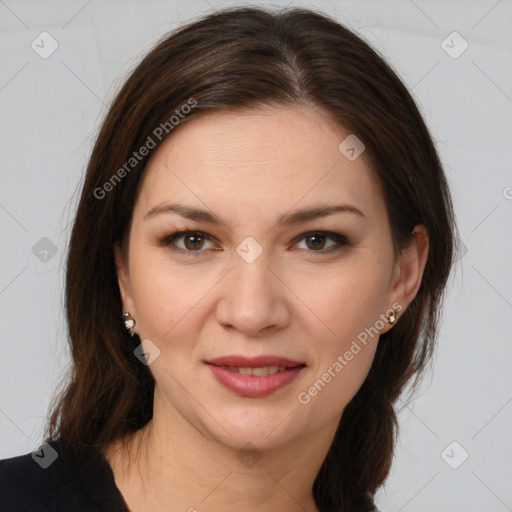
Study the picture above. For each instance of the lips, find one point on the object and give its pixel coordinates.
(255, 377)
(255, 362)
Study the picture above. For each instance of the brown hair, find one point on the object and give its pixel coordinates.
(241, 58)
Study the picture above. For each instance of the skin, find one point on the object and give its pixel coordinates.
(249, 168)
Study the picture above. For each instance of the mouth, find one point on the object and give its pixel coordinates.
(264, 361)
(255, 377)
(258, 371)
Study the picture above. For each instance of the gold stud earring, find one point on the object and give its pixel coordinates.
(129, 323)
(392, 317)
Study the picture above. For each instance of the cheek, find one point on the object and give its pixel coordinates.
(162, 295)
(336, 384)
(344, 354)
(349, 304)
(348, 301)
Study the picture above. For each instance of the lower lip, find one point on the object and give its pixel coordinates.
(252, 385)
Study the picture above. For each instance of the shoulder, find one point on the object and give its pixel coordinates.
(26, 485)
(53, 479)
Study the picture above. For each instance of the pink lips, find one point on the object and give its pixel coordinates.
(252, 385)
(254, 362)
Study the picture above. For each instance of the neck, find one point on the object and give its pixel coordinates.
(171, 461)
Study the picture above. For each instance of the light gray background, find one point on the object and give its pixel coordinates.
(50, 110)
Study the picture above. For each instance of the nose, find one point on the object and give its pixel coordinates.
(254, 300)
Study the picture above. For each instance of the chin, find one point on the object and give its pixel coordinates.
(261, 427)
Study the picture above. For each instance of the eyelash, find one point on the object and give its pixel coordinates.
(167, 241)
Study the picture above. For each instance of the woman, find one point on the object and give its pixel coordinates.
(255, 272)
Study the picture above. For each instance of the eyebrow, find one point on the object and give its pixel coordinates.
(288, 219)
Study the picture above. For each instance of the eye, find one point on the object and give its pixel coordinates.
(192, 242)
(186, 241)
(316, 241)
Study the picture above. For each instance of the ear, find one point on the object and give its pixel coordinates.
(408, 272)
(123, 279)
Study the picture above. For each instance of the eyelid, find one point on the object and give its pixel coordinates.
(328, 234)
(341, 240)
(168, 240)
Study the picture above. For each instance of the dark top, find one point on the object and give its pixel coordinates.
(39, 482)
(53, 479)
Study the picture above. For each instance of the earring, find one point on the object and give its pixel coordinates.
(129, 322)
(392, 317)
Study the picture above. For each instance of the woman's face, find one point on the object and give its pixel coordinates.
(255, 278)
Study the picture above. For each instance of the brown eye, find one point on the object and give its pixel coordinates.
(193, 242)
(315, 241)
(188, 242)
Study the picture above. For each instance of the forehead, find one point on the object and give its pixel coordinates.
(254, 160)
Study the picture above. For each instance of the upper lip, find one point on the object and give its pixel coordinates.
(254, 362)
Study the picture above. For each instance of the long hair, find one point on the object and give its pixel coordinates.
(242, 58)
